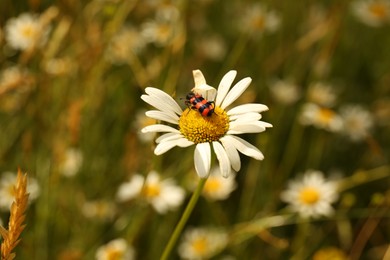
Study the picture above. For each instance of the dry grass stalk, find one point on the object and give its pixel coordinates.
(16, 220)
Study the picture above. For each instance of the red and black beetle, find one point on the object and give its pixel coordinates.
(197, 102)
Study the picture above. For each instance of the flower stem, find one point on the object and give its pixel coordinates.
(183, 220)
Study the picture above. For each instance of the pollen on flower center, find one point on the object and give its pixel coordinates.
(200, 245)
(309, 195)
(200, 129)
(151, 190)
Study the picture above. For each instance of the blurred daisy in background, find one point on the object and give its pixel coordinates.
(15, 78)
(284, 92)
(320, 117)
(322, 94)
(7, 192)
(164, 28)
(212, 47)
(312, 195)
(141, 121)
(99, 209)
(218, 130)
(372, 12)
(26, 32)
(71, 162)
(258, 19)
(218, 187)
(163, 195)
(117, 249)
(126, 43)
(357, 122)
(202, 243)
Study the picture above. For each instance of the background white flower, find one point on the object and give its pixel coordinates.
(202, 243)
(357, 122)
(312, 195)
(25, 32)
(161, 194)
(217, 187)
(117, 249)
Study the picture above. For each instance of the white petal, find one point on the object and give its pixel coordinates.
(159, 128)
(224, 86)
(198, 78)
(232, 152)
(223, 158)
(242, 128)
(164, 146)
(163, 116)
(168, 137)
(202, 159)
(242, 109)
(248, 117)
(244, 147)
(235, 92)
(161, 100)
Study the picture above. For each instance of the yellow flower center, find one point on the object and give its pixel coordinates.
(29, 32)
(200, 129)
(378, 10)
(200, 245)
(326, 115)
(258, 22)
(151, 190)
(114, 254)
(309, 195)
(211, 186)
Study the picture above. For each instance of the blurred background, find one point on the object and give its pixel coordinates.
(71, 76)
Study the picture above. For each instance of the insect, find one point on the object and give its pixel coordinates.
(197, 102)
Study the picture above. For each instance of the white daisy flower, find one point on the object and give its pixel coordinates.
(357, 122)
(25, 32)
(161, 194)
(312, 195)
(217, 187)
(320, 117)
(322, 94)
(218, 130)
(285, 92)
(202, 243)
(7, 191)
(259, 19)
(117, 249)
(126, 43)
(372, 12)
(72, 162)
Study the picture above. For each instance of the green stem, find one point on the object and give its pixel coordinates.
(183, 220)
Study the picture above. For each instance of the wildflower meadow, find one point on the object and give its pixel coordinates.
(210, 129)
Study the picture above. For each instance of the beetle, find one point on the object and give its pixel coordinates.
(197, 102)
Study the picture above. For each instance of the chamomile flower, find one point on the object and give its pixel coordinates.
(320, 117)
(117, 249)
(219, 130)
(357, 122)
(372, 12)
(25, 32)
(126, 43)
(161, 194)
(7, 191)
(285, 92)
(312, 195)
(217, 187)
(259, 19)
(322, 94)
(71, 163)
(202, 243)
